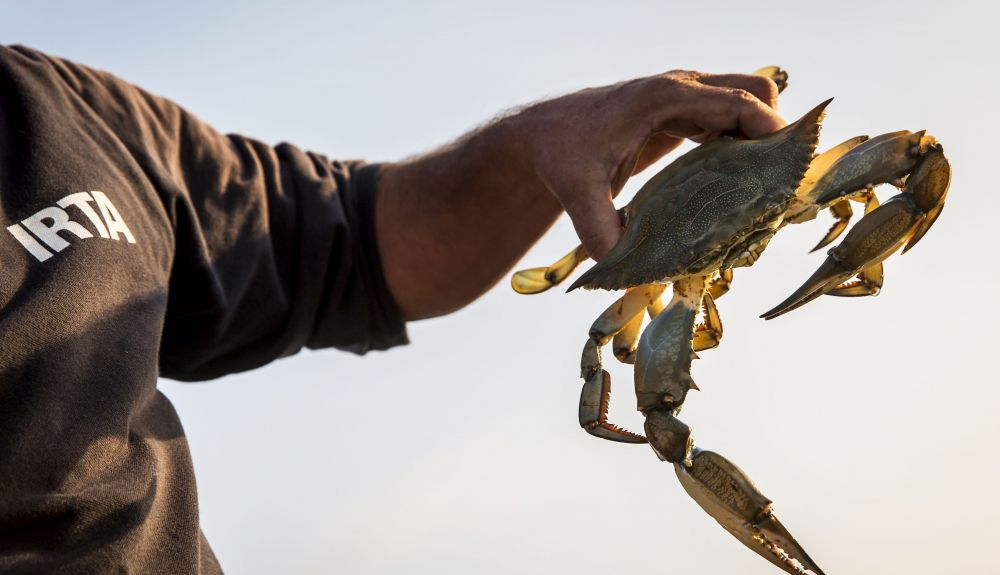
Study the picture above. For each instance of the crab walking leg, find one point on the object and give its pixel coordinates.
(776, 74)
(623, 345)
(871, 202)
(596, 392)
(842, 211)
(904, 218)
(655, 308)
(537, 280)
(723, 490)
(627, 339)
(619, 314)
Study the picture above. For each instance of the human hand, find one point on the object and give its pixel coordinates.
(586, 145)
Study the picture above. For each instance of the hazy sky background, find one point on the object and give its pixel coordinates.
(870, 422)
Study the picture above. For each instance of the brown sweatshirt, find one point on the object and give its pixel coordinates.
(136, 242)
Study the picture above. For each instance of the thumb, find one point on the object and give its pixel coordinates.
(595, 219)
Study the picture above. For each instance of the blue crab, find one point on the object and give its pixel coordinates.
(710, 211)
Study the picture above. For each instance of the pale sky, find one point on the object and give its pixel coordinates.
(870, 422)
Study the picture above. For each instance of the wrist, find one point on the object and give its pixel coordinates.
(507, 141)
(505, 156)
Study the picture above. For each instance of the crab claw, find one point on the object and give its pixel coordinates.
(877, 236)
(725, 492)
(928, 184)
(594, 401)
(879, 160)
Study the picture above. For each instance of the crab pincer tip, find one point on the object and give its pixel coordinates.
(829, 275)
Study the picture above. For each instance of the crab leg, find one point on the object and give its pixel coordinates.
(875, 238)
(594, 400)
(869, 282)
(721, 283)
(656, 308)
(822, 163)
(708, 334)
(842, 211)
(726, 493)
(801, 209)
(663, 357)
(537, 280)
(904, 218)
(850, 171)
(619, 314)
(723, 490)
(625, 341)
(776, 74)
(880, 160)
(929, 184)
(595, 396)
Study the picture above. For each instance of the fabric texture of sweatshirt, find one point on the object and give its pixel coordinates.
(136, 242)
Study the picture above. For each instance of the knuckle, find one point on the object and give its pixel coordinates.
(741, 98)
(740, 94)
(681, 76)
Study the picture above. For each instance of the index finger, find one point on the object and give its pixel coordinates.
(697, 107)
(760, 86)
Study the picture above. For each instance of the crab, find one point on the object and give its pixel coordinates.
(715, 209)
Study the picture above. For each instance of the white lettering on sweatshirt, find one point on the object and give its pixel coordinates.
(49, 230)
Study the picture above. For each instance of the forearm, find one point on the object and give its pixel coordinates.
(452, 223)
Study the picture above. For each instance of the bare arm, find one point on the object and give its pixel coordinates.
(451, 224)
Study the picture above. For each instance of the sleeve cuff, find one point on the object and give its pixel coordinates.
(365, 316)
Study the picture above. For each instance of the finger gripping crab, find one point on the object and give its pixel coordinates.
(710, 211)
